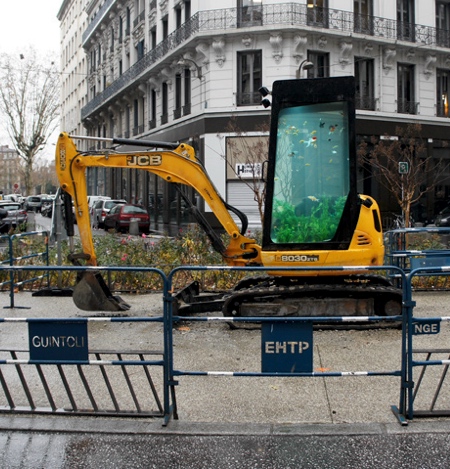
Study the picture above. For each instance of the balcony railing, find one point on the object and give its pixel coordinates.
(138, 130)
(139, 19)
(248, 99)
(97, 19)
(186, 109)
(291, 15)
(442, 110)
(177, 113)
(367, 103)
(407, 107)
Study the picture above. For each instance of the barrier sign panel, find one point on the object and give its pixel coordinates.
(286, 347)
(58, 341)
(426, 327)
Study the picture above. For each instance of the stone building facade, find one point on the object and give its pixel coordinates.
(185, 70)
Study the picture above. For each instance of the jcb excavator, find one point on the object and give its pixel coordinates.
(314, 216)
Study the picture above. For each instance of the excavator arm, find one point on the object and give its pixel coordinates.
(175, 163)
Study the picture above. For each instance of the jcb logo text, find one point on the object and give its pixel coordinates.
(144, 160)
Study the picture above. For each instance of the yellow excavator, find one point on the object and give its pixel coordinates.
(314, 216)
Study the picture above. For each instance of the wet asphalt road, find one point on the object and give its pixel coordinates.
(135, 445)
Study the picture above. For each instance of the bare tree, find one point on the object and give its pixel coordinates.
(29, 101)
(401, 164)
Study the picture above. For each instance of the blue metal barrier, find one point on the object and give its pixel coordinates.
(405, 409)
(13, 260)
(400, 254)
(166, 410)
(400, 373)
(429, 326)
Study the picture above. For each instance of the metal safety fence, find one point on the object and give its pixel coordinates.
(292, 336)
(54, 370)
(21, 250)
(427, 392)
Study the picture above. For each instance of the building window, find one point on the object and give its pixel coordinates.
(187, 92)
(363, 16)
(135, 117)
(178, 17)
(364, 78)
(93, 60)
(187, 9)
(443, 24)
(128, 22)
(249, 13)
(152, 122)
(178, 95)
(153, 38)
(442, 88)
(405, 20)
(249, 78)
(111, 48)
(317, 13)
(120, 30)
(321, 61)
(405, 89)
(140, 49)
(165, 27)
(164, 104)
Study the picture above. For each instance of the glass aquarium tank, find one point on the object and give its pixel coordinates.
(311, 193)
(311, 181)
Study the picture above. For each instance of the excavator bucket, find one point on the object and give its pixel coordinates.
(92, 294)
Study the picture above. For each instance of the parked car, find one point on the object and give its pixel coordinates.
(443, 217)
(47, 206)
(92, 199)
(121, 215)
(33, 203)
(101, 208)
(15, 217)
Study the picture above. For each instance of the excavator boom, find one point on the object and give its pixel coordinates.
(175, 163)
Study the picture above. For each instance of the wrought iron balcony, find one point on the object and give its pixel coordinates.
(442, 110)
(138, 130)
(367, 103)
(139, 19)
(186, 109)
(105, 8)
(407, 107)
(177, 113)
(248, 99)
(286, 15)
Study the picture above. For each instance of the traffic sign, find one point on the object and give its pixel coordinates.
(403, 167)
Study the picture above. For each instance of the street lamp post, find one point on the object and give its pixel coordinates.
(305, 65)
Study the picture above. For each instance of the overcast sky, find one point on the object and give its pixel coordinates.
(27, 23)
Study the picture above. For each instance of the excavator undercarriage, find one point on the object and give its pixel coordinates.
(356, 295)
